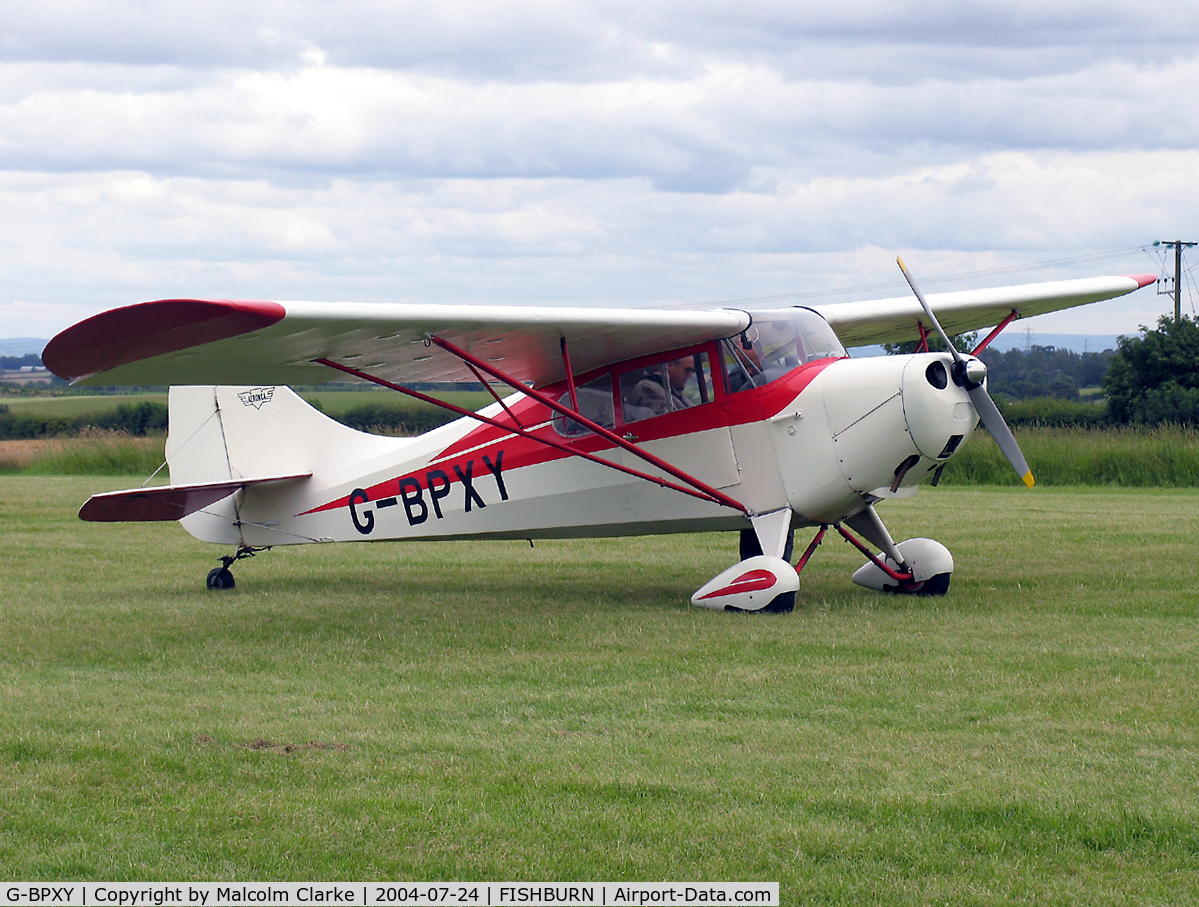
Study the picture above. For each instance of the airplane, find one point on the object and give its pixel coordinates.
(619, 422)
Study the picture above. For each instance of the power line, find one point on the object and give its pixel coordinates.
(1177, 245)
(945, 278)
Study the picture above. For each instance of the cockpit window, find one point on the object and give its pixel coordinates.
(595, 402)
(774, 344)
(665, 387)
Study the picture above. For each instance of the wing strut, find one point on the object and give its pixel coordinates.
(498, 399)
(705, 490)
(1015, 313)
(698, 489)
(570, 378)
(922, 344)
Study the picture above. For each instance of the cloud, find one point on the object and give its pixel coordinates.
(616, 152)
(560, 39)
(702, 133)
(113, 238)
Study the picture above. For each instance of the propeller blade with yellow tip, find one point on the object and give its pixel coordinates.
(969, 373)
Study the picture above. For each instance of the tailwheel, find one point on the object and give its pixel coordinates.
(222, 577)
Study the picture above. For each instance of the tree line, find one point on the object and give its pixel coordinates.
(1044, 371)
(16, 362)
(1150, 378)
(149, 418)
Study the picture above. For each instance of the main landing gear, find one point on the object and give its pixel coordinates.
(222, 577)
(763, 584)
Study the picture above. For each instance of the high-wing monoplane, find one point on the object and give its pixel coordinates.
(617, 422)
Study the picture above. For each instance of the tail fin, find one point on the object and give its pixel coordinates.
(230, 434)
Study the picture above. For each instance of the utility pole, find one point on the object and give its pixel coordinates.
(1177, 245)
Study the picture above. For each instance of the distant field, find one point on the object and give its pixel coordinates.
(70, 407)
(331, 402)
(39, 419)
(491, 711)
(336, 402)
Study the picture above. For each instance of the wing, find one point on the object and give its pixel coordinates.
(189, 341)
(895, 320)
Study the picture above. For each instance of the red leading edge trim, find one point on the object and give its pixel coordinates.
(1143, 280)
(149, 329)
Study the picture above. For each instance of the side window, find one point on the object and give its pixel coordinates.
(666, 387)
(742, 365)
(595, 403)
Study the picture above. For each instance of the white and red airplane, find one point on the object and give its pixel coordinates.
(621, 422)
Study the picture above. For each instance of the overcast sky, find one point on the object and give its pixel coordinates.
(607, 153)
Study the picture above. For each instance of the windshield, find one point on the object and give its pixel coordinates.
(777, 341)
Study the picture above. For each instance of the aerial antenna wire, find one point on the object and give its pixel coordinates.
(962, 275)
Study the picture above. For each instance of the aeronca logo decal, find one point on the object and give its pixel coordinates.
(422, 495)
(256, 397)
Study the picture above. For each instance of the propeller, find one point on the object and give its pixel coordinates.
(969, 373)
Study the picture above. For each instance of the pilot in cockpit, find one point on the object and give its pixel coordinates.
(664, 395)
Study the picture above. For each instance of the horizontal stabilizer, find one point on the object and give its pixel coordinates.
(165, 502)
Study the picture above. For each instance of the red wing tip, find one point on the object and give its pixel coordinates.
(120, 336)
(1143, 280)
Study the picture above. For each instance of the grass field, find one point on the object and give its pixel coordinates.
(490, 711)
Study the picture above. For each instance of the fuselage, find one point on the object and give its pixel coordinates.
(776, 418)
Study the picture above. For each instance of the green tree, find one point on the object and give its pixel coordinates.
(1155, 378)
(1043, 371)
(963, 343)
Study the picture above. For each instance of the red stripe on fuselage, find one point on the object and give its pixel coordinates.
(726, 410)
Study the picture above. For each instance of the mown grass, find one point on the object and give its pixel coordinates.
(487, 710)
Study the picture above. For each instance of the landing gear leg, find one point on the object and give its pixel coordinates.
(222, 577)
(751, 547)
